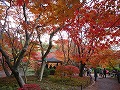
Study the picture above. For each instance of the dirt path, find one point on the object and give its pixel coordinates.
(105, 84)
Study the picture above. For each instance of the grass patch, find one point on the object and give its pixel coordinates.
(8, 83)
(48, 83)
(71, 82)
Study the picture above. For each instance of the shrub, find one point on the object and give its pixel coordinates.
(60, 70)
(118, 68)
(68, 70)
(30, 87)
(52, 71)
(72, 70)
(109, 69)
(8, 88)
(74, 82)
(37, 72)
(37, 69)
(46, 72)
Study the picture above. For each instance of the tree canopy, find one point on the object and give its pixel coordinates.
(90, 25)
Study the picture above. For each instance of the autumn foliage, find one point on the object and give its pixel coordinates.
(92, 28)
(68, 70)
(21, 2)
(90, 25)
(30, 87)
(105, 58)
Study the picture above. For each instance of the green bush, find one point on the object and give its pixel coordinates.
(118, 68)
(46, 72)
(52, 71)
(109, 69)
(37, 72)
(8, 88)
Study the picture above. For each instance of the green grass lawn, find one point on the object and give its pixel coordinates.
(48, 83)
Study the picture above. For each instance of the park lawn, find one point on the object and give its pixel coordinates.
(48, 83)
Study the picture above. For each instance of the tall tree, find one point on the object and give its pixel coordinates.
(52, 16)
(16, 32)
(22, 21)
(96, 25)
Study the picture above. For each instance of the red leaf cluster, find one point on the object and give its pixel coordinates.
(30, 87)
(72, 69)
(68, 70)
(21, 2)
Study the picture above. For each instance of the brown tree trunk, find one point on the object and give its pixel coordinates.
(5, 67)
(81, 69)
(7, 73)
(18, 77)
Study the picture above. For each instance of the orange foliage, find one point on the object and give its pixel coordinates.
(89, 27)
(93, 28)
(59, 55)
(104, 58)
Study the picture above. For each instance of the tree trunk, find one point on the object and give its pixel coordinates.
(24, 69)
(18, 77)
(7, 73)
(42, 69)
(4, 66)
(81, 68)
(25, 77)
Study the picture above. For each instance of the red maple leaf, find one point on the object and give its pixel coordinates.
(21, 2)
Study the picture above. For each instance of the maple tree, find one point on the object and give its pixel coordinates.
(51, 20)
(29, 59)
(15, 37)
(28, 17)
(63, 50)
(105, 58)
(69, 53)
(96, 25)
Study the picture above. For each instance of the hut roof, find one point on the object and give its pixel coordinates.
(52, 60)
